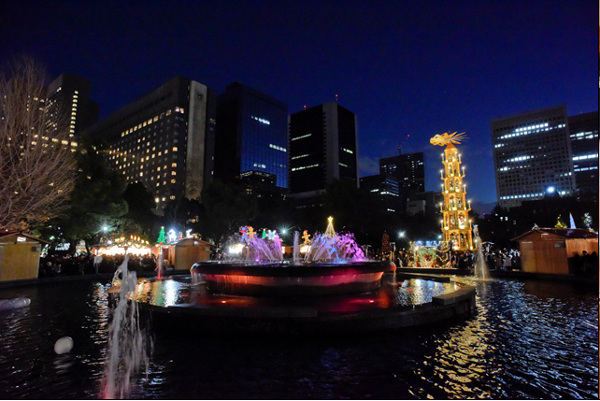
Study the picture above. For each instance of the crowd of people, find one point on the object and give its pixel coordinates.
(495, 260)
(585, 264)
(69, 265)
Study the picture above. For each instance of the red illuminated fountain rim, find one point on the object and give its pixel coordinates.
(287, 278)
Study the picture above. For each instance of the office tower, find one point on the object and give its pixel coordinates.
(164, 139)
(532, 156)
(407, 168)
(70, 95)
(583, 129)
(386, 188)
(260, 184)
(251, 134)
(322, 147)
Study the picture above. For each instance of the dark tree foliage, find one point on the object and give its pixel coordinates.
(180, 215)
(140, 213)
(355, 210)
(502, 225)
(275, 213)
(226, 207)
(96, 201)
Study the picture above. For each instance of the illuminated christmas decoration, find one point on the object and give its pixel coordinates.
(587, 221)
(456, 225)
(330, 232)
(559, 222)
(161, 236)
(172, 235)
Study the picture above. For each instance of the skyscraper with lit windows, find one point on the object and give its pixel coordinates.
(408, 168)
(68, 97)
(251, 134)
(532, 155)
(583, 132)
(322, 148)
(164, 139)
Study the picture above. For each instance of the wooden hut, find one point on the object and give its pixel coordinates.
(547, 250)
(187, 251)
(19, 255)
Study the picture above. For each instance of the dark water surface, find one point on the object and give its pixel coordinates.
(530, 339)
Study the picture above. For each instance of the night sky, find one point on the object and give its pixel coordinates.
(407, 69)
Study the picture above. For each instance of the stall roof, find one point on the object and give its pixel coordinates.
(5, 236)
(567, 233)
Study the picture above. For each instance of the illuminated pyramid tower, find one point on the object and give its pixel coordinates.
(456, 225)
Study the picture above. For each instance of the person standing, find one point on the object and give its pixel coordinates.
(97, 263)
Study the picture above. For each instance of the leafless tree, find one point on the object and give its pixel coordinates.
(37, 164)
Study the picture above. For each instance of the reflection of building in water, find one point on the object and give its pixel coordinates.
(456, 226)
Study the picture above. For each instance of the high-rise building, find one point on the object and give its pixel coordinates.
(583, 131)
(164, 139)
(251, 134)
(408, 168)
(69, 95)
(386, 188)
(322, 148)
(532, 155)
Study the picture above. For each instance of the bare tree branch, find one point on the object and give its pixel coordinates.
(37, 165)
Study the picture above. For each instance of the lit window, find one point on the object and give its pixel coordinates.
(277, 147)
(261, 120)
(301, 137)
(174, 148)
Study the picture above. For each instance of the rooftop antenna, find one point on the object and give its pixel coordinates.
(336, 97)
(399, 147)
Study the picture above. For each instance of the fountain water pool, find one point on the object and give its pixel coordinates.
(410, 302)
(538, 338)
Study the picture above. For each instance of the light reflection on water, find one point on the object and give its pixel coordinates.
(401, 294)
(529, 340)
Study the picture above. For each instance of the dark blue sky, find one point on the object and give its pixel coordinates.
(408, 69)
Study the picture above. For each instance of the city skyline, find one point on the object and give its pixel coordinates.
(408, 71)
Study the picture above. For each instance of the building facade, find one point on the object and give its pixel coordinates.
(164, 139)
(251, 134)
(532, 156)
(322, 147)
(69, 95)
(386, 188)
(408, 168)
(583, 132)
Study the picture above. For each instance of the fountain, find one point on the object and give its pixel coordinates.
(481, 270)
(326, 285)
(332, 264)
(126, 340)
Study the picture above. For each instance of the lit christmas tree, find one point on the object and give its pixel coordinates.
(456, 225)
(161, 236)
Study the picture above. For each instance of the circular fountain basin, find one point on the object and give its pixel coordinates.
(182, 304)
(308, 279)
